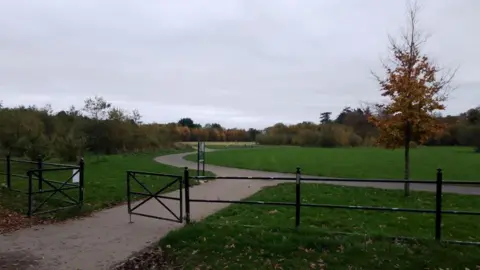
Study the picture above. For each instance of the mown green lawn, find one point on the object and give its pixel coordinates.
(105, 182)
(458, 163)
(262, 237)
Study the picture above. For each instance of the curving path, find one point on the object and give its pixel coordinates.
(107, 237)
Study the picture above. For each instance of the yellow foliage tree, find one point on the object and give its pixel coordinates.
(415, 93)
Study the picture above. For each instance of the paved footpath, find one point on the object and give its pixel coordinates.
(106, 238)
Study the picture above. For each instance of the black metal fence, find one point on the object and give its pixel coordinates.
(30, 180)
(149, 192)
(298, 179)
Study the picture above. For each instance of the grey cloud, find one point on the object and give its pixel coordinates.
(239, 63)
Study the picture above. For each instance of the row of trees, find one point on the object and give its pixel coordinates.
(353, 127)
(350, 128)
(190, 131)
(98, 128)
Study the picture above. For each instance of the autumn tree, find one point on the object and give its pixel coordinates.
(415, 92)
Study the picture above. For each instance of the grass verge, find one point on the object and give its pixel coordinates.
(458, 163)
(262, 237)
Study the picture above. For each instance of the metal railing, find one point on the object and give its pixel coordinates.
(36, 182)
(438, 210)
(154, 193)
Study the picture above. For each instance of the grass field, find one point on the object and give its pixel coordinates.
(261, 237)
(105, 182)
(458, 163)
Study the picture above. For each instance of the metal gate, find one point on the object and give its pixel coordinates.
(154, 192)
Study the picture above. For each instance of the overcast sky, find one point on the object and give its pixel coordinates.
(242, 64)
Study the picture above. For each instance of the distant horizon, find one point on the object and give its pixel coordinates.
(238, 63)
(333, 116)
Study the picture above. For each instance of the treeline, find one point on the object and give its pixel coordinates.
(98, 128)
(188, 130)
(352, 128)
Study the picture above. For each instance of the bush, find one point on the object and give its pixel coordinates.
(334, 135)
(33, 148)
(273, 139)
(69, 148)
(413, 145)
(327, 139)
(355, 140)
(369, 141)
(307, 138)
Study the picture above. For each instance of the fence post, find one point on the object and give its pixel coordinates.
(198, 158)
(203, 163)
(297, 198)
(181, 197)
(187, 195)
(9, 172)
(30, 191)
(81, 179)
(438, 208)
(40, 173)
(129, 202)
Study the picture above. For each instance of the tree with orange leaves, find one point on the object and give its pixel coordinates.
(415, 93)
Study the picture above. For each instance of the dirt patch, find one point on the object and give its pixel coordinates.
(150, 258)
(18, 260)
(11, 221)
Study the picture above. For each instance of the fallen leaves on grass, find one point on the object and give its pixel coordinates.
(151, 258)
(306, 250)
(11, 221)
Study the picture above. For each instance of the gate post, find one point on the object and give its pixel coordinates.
(438, 206)
(129, 200)
(186, 178)
(198, 158)
(297, 198)
(203, 162)
(30, 191)
(40, 173)
(9, 172)
(81, 181)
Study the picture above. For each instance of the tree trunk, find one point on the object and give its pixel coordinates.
(408, 134)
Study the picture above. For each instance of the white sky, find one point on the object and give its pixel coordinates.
(239, 63)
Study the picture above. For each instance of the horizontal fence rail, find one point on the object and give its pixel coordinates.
(438, 211)
(327, 179)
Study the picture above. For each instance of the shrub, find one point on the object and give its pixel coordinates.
(69, 148)
(413, 145)
(273, 139)
(33, 147)
(355, 140)
(307, 138)
(369, 141)
(334, 135)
